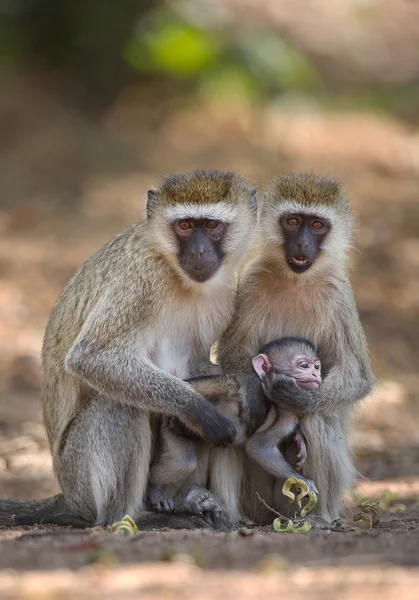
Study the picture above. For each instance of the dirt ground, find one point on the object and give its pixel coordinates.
(42, 242)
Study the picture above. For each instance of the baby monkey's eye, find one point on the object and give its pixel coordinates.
(211, 224)
(317, 367)
(304, 365)
(185, 225)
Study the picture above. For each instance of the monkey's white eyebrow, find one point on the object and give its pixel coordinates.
(292, 207)
(216, 211)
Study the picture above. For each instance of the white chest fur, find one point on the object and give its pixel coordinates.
(190, 328)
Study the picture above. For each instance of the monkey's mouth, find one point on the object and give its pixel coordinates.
(309, 384)
(299, 260)
(299, 263)
(200, 273)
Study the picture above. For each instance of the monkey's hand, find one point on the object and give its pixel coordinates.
(284, 391)
(210, 423)
(159, 500)
(301, 455)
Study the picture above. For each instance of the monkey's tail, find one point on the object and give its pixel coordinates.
(53, 510)
(156, 521)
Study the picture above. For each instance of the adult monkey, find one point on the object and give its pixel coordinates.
(139, 316)
(297, 285)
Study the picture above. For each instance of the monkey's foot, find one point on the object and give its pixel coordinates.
(159, 500)
(318, 522)
(199, 501)
(301, 455)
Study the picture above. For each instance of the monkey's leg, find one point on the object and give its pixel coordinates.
(175, 462)
(226, 474)
(176, 458)
(103, 469)
(105, 465)
(328, 460)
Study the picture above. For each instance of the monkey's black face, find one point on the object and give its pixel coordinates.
(303, 237)
(200, 246)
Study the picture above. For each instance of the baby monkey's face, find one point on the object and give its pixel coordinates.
(306, 371)
(291, 357)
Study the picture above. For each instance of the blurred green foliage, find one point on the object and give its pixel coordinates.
(105, 43)
(172, 47)
(102, 45)
(218, 61)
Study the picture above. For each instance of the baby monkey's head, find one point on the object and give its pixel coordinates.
(291, 356)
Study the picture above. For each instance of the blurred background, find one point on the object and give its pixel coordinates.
(99, 99)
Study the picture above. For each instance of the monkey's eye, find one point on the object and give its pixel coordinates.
(304, 365)
(318, 225)
(211, 224)
(317, 366)
(185, 225)
(293, 222)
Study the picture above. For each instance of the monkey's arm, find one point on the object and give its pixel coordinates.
(345, 383)
(244, 390)
(348, 377)
(214, 389)
(263, 445)
(111, 359)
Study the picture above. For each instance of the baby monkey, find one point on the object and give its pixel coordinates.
(180, 470)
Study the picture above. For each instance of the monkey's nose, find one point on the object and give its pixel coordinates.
(198, 253)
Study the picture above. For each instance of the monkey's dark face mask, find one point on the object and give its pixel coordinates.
(303, 238)
(200, 246)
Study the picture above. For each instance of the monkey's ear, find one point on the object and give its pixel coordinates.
(262, 365)
(253, 202)
(152, 199)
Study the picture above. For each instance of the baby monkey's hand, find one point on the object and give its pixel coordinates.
(301, 455)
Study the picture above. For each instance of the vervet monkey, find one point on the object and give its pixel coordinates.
(180, 471)
(136, 319)
(297, 285)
